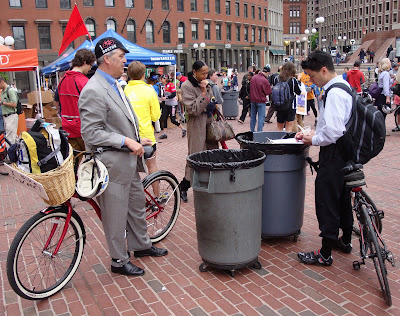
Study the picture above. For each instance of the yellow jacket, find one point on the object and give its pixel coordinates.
(145, 103)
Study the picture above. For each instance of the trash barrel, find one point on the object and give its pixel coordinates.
(227, 189)
(230, 108)
(284, 181)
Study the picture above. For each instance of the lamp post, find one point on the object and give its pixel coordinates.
(319, 21)
(199, 48)
(8, 41)
(344, 40)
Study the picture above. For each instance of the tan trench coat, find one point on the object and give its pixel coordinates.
(195, 104)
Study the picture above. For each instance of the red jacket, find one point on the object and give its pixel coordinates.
(69, 89)
(355, 78)
(259, 89)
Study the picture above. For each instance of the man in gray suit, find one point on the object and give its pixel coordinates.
(107, 120)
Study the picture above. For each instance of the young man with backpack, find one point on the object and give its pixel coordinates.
(8, 102)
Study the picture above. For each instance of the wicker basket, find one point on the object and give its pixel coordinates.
(59, 183)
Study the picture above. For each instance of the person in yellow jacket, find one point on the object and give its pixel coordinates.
(144, 101)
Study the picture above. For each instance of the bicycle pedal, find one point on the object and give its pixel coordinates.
(390, 258)
(381, 214)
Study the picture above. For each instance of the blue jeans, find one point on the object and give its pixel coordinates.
(257, 108)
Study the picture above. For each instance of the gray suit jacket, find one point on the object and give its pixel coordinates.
(104, 122)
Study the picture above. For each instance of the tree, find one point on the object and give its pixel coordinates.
(5, 76)
(314, 40)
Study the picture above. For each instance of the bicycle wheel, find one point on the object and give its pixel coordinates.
(32, 270)
(377, 253)
(161, 211)
(397, 112)
(377, 217)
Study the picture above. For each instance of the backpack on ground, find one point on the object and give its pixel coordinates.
(19, 104)
(365, 131)
(281, 96)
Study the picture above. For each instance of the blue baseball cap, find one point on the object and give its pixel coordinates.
(178, 73)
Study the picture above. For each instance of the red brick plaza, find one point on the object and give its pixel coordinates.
(173, 285)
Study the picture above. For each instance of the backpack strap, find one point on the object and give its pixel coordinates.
(46, 159)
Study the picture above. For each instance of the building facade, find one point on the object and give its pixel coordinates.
(235, 33)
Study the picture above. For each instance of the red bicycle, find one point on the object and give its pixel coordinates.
(47, 250)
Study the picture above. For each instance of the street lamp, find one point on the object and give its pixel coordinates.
(199, 47)
(319, 21)
(8, 41)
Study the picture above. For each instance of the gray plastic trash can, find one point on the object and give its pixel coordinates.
(227, 188)
(284, 182)
(230, 107)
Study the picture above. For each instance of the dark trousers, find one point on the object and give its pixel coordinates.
(380, 102)
(164, 115)
(332, 198)
(311, 104)
(246, 107)
(271, 111)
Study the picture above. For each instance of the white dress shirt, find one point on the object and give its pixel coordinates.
(334, 114)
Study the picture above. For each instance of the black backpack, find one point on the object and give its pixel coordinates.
(365, 131)
(19, 105)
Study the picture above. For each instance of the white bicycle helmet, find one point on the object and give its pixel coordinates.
(92, 178)
(386, 109)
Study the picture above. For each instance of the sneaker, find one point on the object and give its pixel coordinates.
(396, 129)
(162, 198)
(240, 121)
(163, 136)
(340, 245)
(183, 133)
(314, 257)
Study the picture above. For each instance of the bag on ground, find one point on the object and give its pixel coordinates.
(281, 96)
(365, 131)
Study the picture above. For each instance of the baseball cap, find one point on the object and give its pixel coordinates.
(178, 73)
(106, 45)
(395, 65)
(267, 69)
(164, 77)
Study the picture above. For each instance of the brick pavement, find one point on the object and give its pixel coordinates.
(173, 285)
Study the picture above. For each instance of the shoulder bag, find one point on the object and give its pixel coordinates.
(218, 129)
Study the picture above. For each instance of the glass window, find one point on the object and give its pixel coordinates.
(19, 37)
(253, 34)
(44, 37)
(193, 5)
(238, 33)
(41, 3)
(253, 12)
(227, 7)
(180, 5)
(237, 9)
(246, 33)
(129, 3)
(15, 3)
(111, 25)
(91, 27)
(218, 6)
(149, 32)
(265, 15)
(65, 4)
(195, 33)
(110, 3)
(260, 35)
(245, 13)
(166, 32)
(165, 5)
(228, 32)
(88, 3)
(218, 32)
(265, 36)
(259, 13)
(207, 31)
(206, 6)
(131, 31)
(148, 4)
(181, 33)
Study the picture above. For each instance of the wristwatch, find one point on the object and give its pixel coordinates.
(1, 102)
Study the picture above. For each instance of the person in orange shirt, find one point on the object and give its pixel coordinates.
(310, 94)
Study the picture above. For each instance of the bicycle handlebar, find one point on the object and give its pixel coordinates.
(349, 167)
(148, 151)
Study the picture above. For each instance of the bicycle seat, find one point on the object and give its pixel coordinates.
(353, 175)
(351, 166)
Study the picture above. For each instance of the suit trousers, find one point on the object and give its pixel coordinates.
(123, 208)
(332, 198)
(271, 111)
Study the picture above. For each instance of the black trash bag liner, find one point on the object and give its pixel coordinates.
(246, 142)
(226, 159)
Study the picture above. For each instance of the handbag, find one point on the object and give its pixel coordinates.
(374, 90)
(218, 129)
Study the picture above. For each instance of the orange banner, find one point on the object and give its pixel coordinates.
(18, 60)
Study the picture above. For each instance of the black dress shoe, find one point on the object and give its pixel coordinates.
(152, 251)
(128, 269)
(184, 196)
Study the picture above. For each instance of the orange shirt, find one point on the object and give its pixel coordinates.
(308, 83)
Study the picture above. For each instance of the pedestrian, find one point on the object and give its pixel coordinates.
(234, 81)
(393, 72)
(305, 78)
(362, 55)
(107, 120)
(197, 94)
(259, 90)
(212, 80)
(389, 49)
(371, 56)
(244, 95)
(225, 82)
(123, 80)
(392, 55)
(397, 102)
(8, 102)
(384, 82)
(338, 58)
(355, 77)
(69, 90)
(332, 198)
(273, 80)
(346, 70)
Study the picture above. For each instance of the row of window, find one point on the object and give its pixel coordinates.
(348, 5)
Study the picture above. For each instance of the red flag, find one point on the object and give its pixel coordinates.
(75, 28)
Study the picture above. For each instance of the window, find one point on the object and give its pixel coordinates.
(238, 33)
(246, 33)
(44, 37)
(166, 32)
(394, 19)
(245, 13)
(19, 37)
(193, 5)
(228, 32)
(181, 33)
(265, 15)
(91, 27)
(387, 6)
(131, 31)
(129, 4)
(206, 6)
(266, 36)
(253, 34)
(253, 12)
(260, 35)
(149, 32)
(110, 3)
(180, 5)
(41, 3)
(63, 27)
(65, 4)
(259, 13)
(294, 28)
(218, 32)
(15, 4)
(227, 7)
(89, 3)
(195, 33)
(237, 9)
(148, 4)
(207, 31)
(111, 25)
(218, 6)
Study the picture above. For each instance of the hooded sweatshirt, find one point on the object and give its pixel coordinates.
(355, 77)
